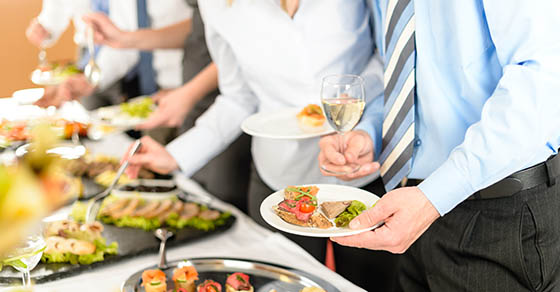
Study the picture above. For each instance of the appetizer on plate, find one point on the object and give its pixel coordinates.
(238, 282)
(184, 278)
(154, 281)
(299, 207)
(311, 119)
(70, 242)
(209, 286)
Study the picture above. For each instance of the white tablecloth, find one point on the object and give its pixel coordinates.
(244, 240)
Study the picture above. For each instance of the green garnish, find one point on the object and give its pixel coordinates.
(302, 194)
(214, 287)
(155, 283)
(240, 279)
(355, 209)
(182, 280)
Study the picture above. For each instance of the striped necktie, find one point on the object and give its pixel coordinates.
(400, 90)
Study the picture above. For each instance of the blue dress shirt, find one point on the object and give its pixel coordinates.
(488, 92)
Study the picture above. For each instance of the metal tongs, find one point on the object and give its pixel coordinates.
(95, 203)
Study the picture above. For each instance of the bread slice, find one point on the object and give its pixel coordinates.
(290, 217)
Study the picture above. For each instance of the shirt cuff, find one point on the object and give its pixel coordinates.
(446, 187)
(189, 156)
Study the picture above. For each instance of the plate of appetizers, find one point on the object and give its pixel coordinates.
(317, 210)
(294, 123)
(224, 274)
(127, 114)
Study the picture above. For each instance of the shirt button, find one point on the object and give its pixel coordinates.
(417, 142)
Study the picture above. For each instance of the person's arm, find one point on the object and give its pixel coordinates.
(169, 37)
(220, 124)
(521, 118)
(53, 18)
(175, 105)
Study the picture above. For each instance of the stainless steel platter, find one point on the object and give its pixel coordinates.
(263, 276)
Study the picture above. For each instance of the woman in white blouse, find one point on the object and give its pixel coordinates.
(271, 55)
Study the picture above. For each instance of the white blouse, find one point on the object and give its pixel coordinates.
(268, 62)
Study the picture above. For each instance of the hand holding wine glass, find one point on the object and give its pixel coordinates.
(343, 100)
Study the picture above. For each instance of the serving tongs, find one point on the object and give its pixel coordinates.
(95, 203)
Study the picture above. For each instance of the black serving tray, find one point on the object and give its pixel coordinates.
(132, 242)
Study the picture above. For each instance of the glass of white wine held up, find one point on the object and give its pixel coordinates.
(343, 100)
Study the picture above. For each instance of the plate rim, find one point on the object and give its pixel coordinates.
(264, 208)
(287, 111)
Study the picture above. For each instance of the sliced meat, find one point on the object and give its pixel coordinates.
(93, 229)
(163, 207)
(114, 207)
(176, 208)
(149, 207)
(57, 244)
(128, 210)
(189, 210)
(320, 221)
(289, 217)
(292, 192)
(209, 214)
(333, 209)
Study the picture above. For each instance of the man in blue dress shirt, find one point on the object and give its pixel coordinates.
(470, 124)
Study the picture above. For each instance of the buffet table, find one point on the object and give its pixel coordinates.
(245, 240)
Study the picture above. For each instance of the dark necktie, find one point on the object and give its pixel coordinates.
(146, 74)
(400, 90)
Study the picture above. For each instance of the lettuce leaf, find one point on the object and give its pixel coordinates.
(134, 222)
(356, 208)
(196, 222)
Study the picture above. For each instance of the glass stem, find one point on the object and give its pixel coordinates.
(26, 278)
(341, 143)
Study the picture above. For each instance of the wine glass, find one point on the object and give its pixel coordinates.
(343, 100)
(26, 255)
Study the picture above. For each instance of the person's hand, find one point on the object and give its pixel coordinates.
(407, 214)
(105, 31)
(152, 156)
(359, 149)
(54, 96)
(172, 109)
(76, 86)
(36, 33)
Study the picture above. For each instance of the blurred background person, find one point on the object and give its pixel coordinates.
(125, 72)
(226, 175)
(271, 56)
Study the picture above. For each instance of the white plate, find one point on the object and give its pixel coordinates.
(326, 193)
(28, 96)
(280, 125)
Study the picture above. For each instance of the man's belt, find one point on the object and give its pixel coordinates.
(543, 173)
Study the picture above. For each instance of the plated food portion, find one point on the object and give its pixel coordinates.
(127, 114)
(316, 210)
(311, 119)
(150, 214)
(54, 73)
(68, 241)
(296, 123)
(224, 275)
(20, 131)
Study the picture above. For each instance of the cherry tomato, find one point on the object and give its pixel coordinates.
(306, 208)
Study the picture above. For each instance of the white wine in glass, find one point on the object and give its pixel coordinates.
(343, 100)
(25, 256)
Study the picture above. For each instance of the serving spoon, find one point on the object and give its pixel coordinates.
(91, 70)
(163, 235)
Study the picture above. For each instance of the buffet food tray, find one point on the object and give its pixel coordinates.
(263, 276)
(132, 242)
